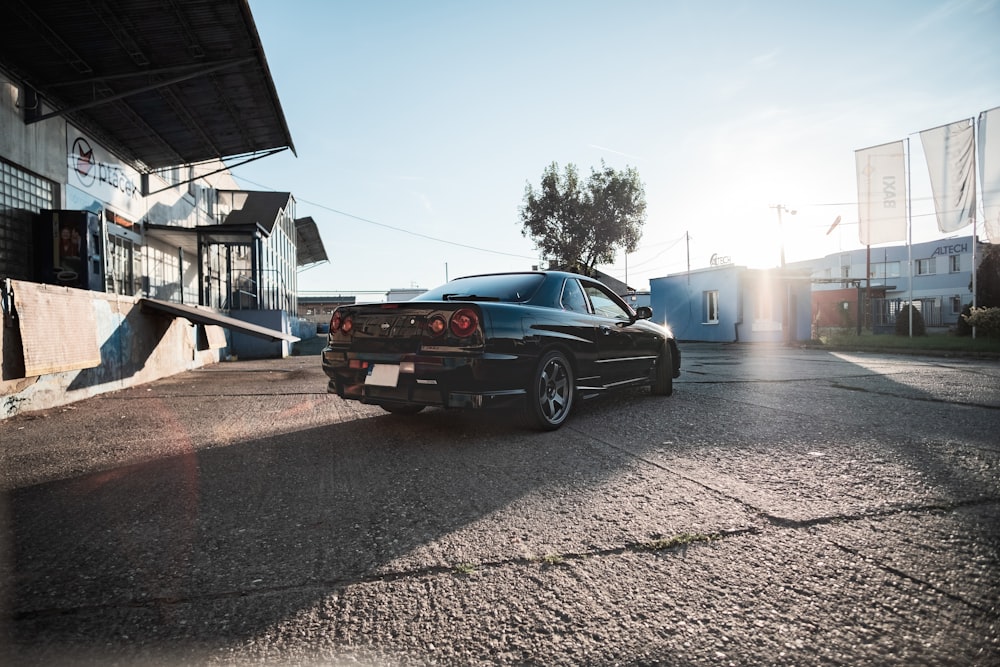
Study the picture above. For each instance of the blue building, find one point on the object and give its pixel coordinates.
(941, 272)
(731, 303)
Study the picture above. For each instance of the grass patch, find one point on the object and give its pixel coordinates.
(465, 568)
(674, 541)
(552, 559)
(929, 343)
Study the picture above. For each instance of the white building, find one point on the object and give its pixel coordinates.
(127, 251)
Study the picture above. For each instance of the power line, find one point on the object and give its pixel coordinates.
(395, 229)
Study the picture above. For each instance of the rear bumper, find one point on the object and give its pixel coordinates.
(480, 381)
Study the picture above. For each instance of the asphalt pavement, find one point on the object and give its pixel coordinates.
(784, 507)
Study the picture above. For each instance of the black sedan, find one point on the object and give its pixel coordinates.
(534, 340)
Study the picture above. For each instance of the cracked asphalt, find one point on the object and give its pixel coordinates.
(784, 507)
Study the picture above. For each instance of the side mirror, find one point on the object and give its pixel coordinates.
(643, 313)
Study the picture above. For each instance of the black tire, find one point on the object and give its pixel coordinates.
(663, 381)
(402, 408)
(551, 391)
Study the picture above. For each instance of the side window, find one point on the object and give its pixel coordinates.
(604, 304)
(573, 298)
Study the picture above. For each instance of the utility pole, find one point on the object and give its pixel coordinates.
(687, 240)
(781, 231)
(786, 311)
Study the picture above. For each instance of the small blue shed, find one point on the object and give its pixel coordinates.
(731, 303)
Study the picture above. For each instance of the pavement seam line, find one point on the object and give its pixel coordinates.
(896, 572)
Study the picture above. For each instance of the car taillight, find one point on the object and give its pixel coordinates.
(436, 325)
(464, 322)
(341, 323)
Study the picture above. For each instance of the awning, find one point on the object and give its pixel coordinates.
(202, 315)
(256, 207)
(187, 238)
(308, 244)
(163, 84)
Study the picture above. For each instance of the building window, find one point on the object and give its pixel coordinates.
(22, 195)
(956, 305)
(712, 307)
(884, 270)
(954, 263)
(925, 267)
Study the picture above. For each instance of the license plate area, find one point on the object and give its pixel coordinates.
(382, 375)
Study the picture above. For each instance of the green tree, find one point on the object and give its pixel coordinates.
(986, 321)
(988, 277)
(987, 286)
(903, 322)
(581, 224)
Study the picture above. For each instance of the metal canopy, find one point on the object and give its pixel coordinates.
(163, 84)
(309, 244)
(259, 208)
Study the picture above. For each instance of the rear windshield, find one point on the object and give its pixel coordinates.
(511, 287)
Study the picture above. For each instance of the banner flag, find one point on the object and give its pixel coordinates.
(989, 172)
(881, 193)
(951, 160)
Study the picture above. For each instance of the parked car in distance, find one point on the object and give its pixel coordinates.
(535, 341)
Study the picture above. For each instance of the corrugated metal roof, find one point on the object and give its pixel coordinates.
(162, 83)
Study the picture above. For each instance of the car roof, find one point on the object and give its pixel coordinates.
(565, 274)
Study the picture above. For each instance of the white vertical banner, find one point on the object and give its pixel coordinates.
(951, 163)
(882, 211)
(989, 171)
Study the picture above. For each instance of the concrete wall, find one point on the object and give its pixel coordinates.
(41, 147)
(244, 346)
(135, 348)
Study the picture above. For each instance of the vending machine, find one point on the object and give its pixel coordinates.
(69, 249)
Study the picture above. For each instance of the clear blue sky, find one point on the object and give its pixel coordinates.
(418, 124)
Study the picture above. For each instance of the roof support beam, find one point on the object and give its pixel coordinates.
(145, 177)
(122, 33)
(143, 89)
(182, 112)
(194, 70)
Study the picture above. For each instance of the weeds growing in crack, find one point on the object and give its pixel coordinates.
(674, 541)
